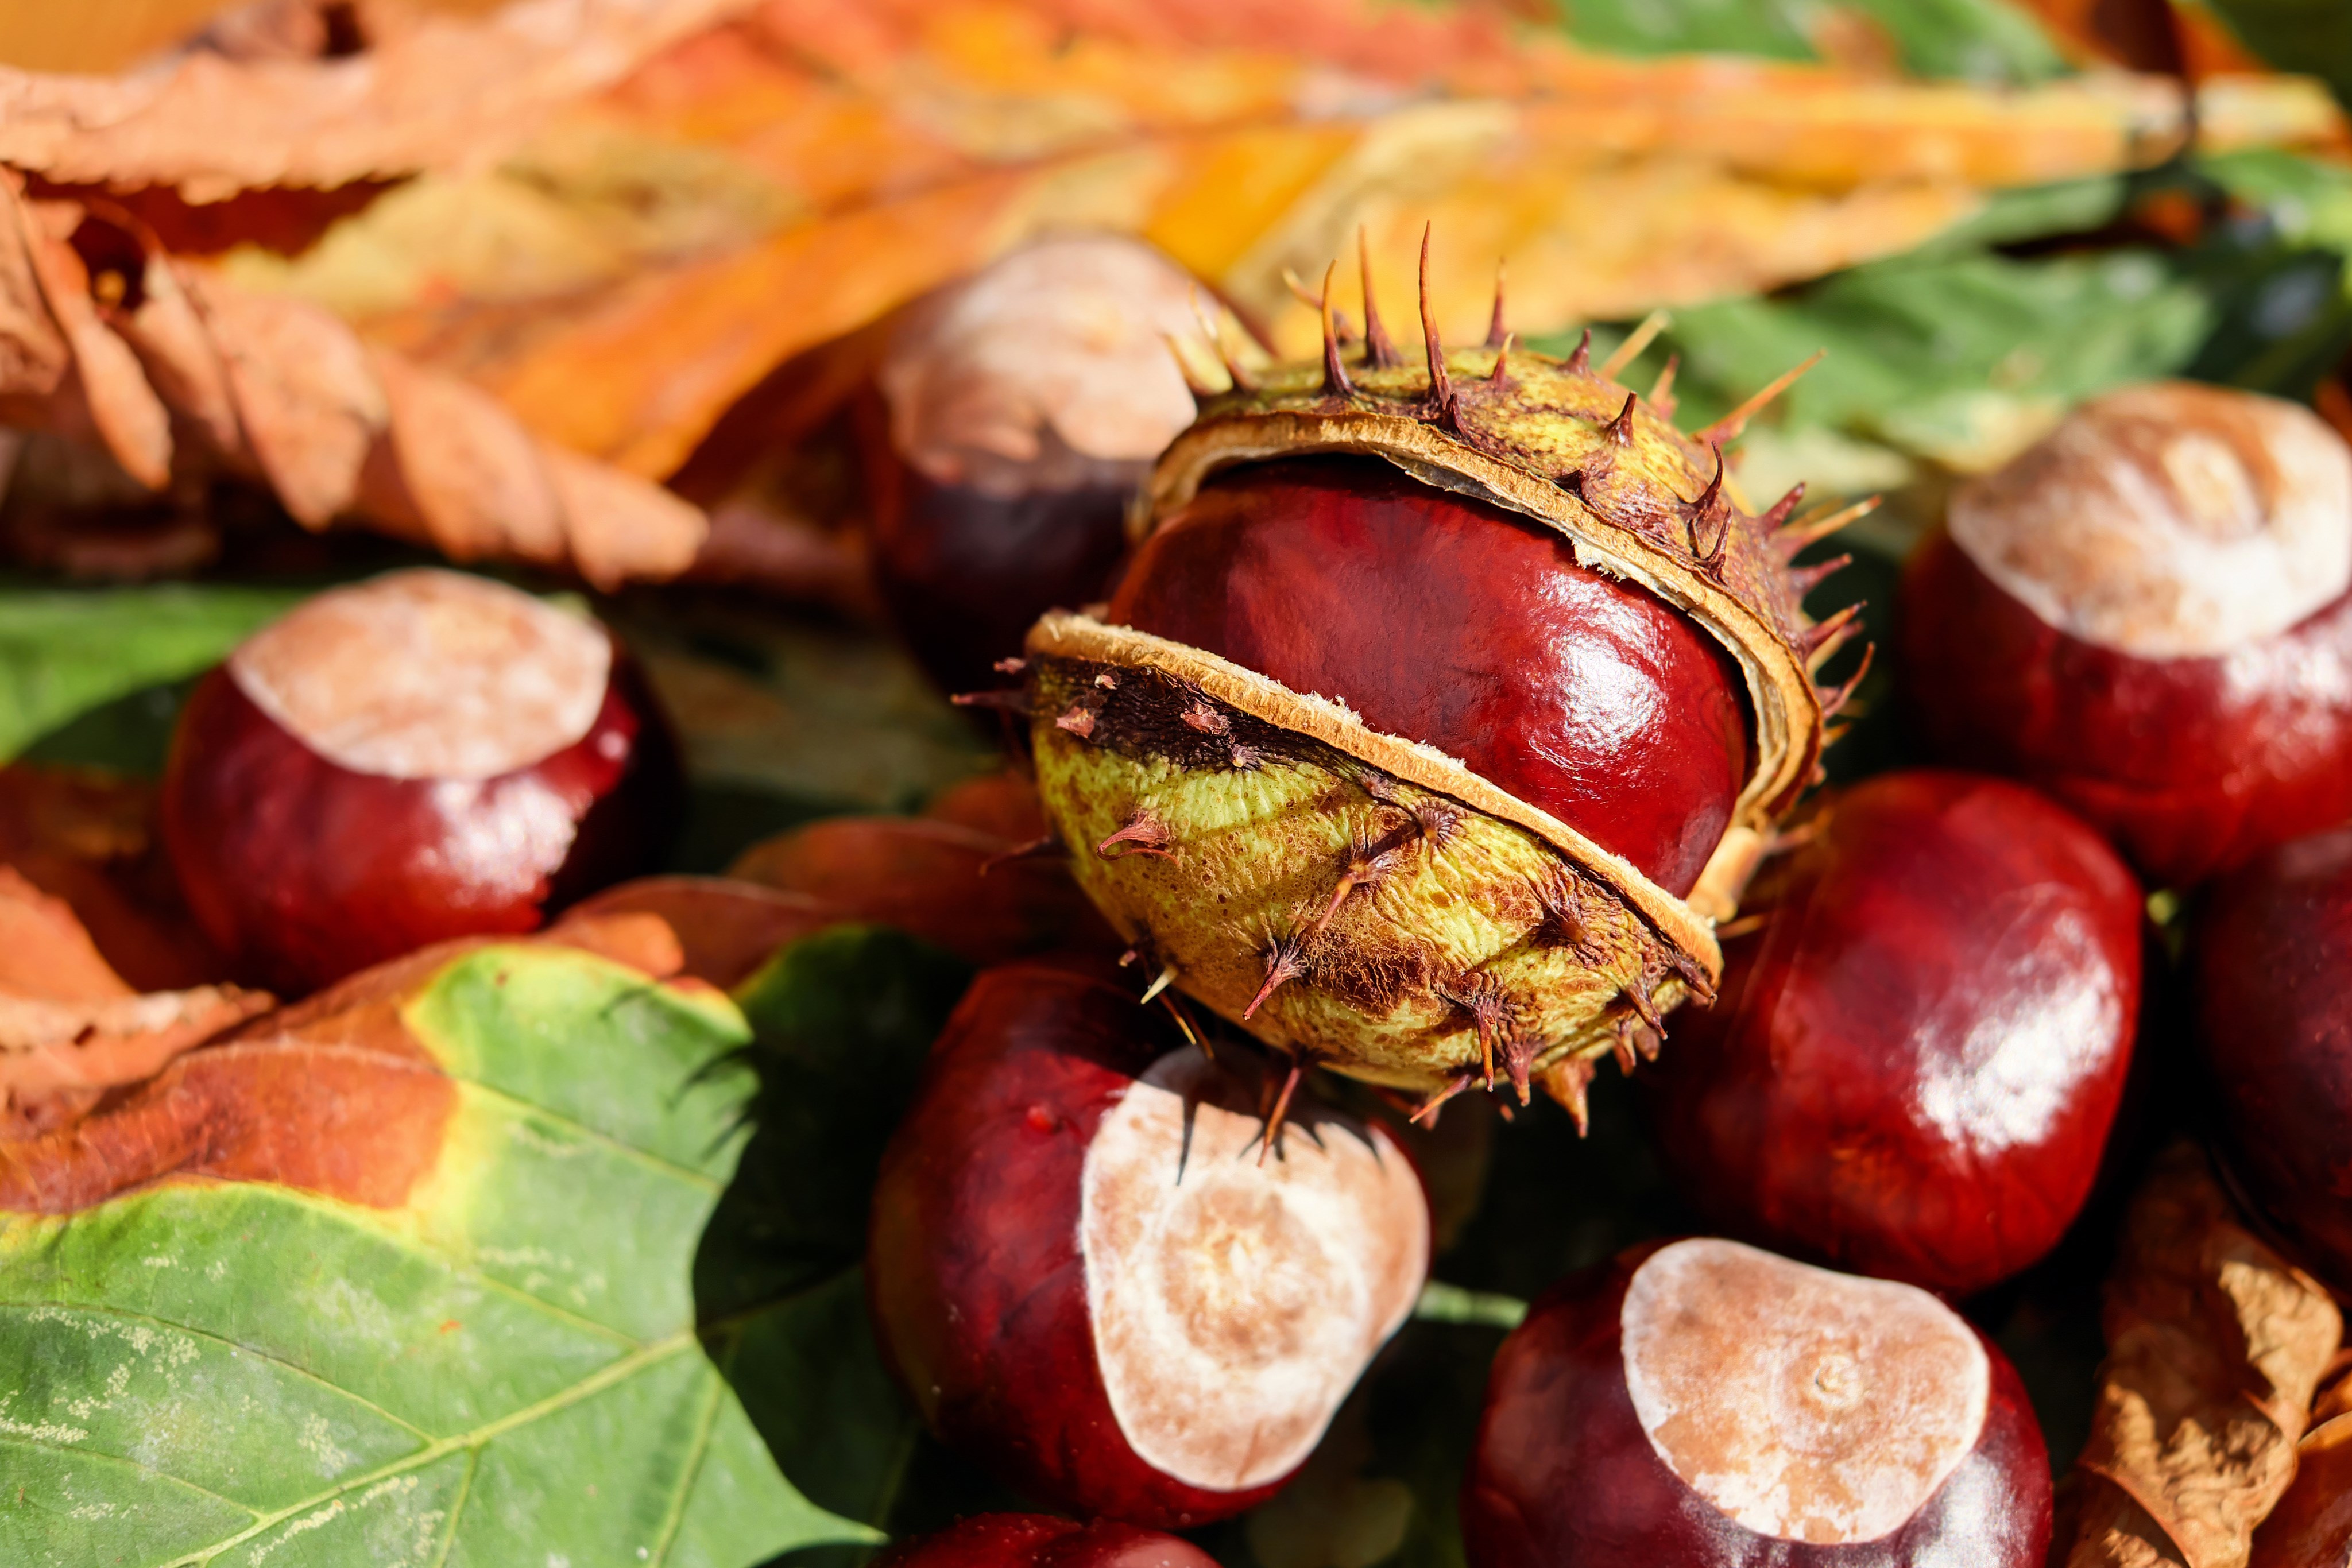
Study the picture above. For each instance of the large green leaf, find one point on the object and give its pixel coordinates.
(842, 1022)
(501, 1368)
(63, 652)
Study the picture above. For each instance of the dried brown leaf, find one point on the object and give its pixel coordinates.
(44, 952)
(2215, 1345)
(725, 928)
(128, 416)
(2312, 1526)
(308, 405)
(284, 390)
(438, 92)
(86, 839)
(934, 879)
(58, 1057)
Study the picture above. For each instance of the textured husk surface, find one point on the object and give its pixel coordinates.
(1231, 811)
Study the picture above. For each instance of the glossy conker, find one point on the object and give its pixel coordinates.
(2148, 616)
(1043, 1541)
(1442, 709)
(1017, 411)
(1575, 691)
(1920, 1048)
(1088, 1280)
(1705, 1405)
(424, 756)
(2269, 952)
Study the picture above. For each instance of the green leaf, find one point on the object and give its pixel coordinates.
(843, 1022)
(63, 650)
(2308, 35)
(503, 1369)
(1982, 40)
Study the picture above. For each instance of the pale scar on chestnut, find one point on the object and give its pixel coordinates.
(1234, 1299)
(1805, 1404)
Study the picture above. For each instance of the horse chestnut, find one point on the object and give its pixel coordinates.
(424, 756)
(1020, 409)
(1094, 1276)
(1583, 696)
(1041, 1540)
(2148, 616)
(1705, 1404)
(2268, 954)
(1439, 714)
(1920, 1050)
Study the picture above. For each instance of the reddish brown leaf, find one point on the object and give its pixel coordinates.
(86, 839)
(2214, 1346)
(123, 408)
(725, 928)
(2312, 1526)
(282, 390)
(926, 877)
(1004, 805)
(333, 1094)
(45, 954)
(439, 91)
(58, 1057)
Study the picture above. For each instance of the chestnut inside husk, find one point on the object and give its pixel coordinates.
(1433, 758)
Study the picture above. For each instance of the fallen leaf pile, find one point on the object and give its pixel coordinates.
(103, 334)
(2215, 1346)
(669, 210)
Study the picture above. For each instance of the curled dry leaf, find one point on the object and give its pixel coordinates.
(2215, 1345)
(86, 840)
(69, 1027)
(281, 390)
(725, 928)
(44, 952)
(2312, 1526)
(953, 878)
(437, 91)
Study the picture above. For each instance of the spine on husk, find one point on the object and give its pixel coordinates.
(1365, 902)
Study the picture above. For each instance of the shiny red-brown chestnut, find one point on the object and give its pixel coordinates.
(1454, 622)
(421, 757)
(2270, 953)
(1918, 1053)
(1017, 411)
(1705, 1405)
(1088, 1280)
(1043, 1541)
(2148, 616)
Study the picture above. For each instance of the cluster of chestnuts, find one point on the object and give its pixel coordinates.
(1446, 720)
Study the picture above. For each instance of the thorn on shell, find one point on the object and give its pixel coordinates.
(1144, 834)
(1566, 1082)
(1206, 719)
(1285, 960)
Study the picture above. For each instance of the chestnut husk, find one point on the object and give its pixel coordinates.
(1220, 820)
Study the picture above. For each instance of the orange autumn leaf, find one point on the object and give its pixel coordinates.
(69, 1027)
(283, 390)
(2215, 1345)
(86, 840)
(2312, 1526)
(436, 91)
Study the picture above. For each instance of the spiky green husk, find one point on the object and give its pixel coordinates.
(1412, 941)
